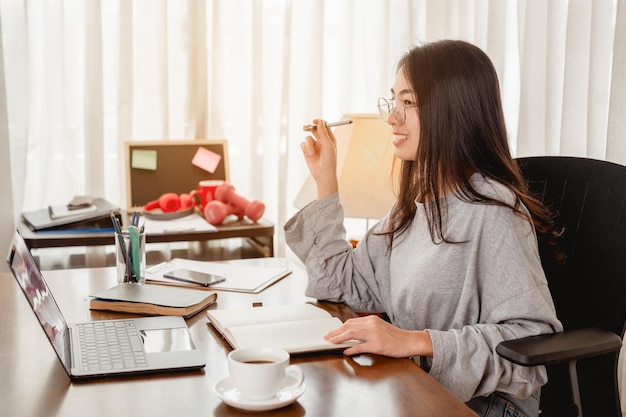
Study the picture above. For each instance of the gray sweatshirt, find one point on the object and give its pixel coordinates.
(470, 296)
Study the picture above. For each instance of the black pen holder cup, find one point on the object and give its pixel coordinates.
(130, 257)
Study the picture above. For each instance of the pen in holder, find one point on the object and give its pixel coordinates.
(130, 253)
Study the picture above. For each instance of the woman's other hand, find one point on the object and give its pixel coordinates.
(380, 337)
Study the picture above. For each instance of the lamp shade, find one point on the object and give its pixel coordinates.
(365, 157)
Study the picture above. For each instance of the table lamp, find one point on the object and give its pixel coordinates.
(364, 156)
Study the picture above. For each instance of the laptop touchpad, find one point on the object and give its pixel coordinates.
(166, 340)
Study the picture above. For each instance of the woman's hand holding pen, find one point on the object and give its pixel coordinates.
(382, 338)
(320, 154)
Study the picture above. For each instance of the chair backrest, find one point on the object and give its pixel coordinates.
(588, 200)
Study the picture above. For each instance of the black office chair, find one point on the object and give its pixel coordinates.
(588, 199)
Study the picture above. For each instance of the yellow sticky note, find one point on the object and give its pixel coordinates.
(144, 159)
(206, 159)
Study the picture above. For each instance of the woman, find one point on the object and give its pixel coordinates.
(455, 263)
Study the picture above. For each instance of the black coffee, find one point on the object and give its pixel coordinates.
(259, 361)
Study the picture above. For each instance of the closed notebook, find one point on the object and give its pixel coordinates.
(297, 328)
(98, 218)
(152, 300)
(242, 275)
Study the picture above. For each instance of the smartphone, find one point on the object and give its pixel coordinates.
(194, 277)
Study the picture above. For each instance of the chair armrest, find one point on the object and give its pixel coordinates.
(555, 348)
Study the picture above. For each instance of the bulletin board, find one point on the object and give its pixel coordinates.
(156, 168)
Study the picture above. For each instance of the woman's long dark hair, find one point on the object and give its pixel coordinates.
(462, 132)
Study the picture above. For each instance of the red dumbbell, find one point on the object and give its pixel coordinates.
(216, 211)
(253, 209)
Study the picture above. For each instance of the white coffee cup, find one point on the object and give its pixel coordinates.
(260, 373)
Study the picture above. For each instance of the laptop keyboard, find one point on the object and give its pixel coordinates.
(110, 345)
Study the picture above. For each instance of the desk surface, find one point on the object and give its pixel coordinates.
(33, 382)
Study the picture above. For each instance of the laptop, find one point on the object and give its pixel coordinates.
(130, 346)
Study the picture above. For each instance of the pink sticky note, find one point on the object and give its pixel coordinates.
(206, 159)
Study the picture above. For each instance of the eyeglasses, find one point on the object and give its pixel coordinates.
(388, 106)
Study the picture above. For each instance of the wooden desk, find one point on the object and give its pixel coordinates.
(260, 233)
(34, 384)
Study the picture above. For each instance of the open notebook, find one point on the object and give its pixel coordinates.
(297, 328)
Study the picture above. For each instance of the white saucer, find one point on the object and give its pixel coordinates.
(231, 396)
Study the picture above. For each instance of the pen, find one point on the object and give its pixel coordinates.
(120, 238)
(134, 218)
(311, 128)
(116, 225)
(135, 250)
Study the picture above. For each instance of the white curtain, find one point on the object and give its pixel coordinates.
(78, 78)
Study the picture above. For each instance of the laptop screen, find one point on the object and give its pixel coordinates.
(40, 298)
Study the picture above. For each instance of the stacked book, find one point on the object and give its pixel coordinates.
(94, 214)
